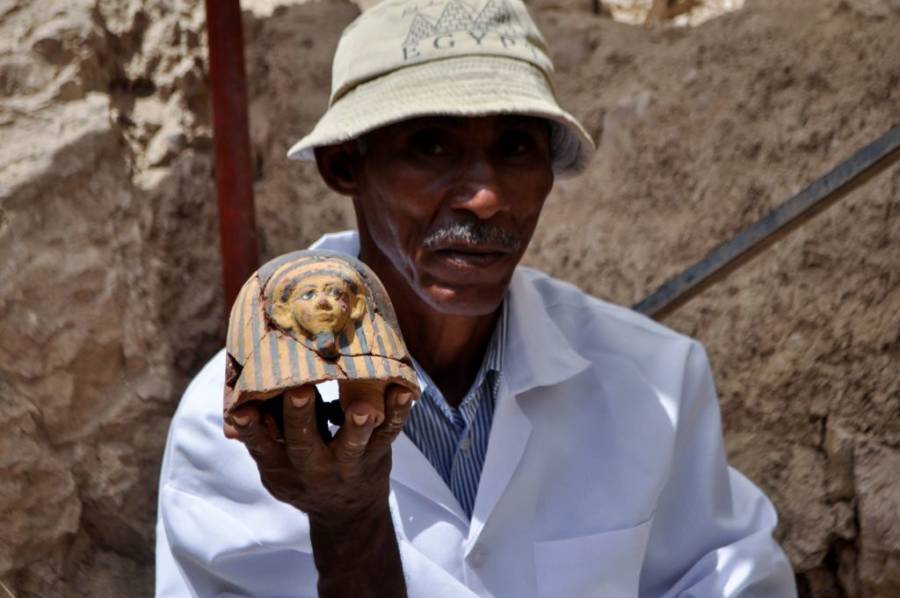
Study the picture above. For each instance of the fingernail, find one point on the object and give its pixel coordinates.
(404, 397)
(240, 420)
(360, 419)
(299, 401)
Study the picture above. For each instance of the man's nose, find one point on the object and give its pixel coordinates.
(324, 303)
(481, 193)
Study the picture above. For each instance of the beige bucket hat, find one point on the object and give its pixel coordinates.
(409, 58)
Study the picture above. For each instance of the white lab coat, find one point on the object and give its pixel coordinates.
(605, 475)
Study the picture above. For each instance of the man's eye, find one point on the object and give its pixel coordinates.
(430, 142)
(336, 293)
(307, 295)
(517, 143)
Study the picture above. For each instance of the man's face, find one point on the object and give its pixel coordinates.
(447, 205)
(322, 303)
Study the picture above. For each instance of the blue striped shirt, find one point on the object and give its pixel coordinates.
(454, 440)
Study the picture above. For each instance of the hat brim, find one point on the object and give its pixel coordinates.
(459, 86)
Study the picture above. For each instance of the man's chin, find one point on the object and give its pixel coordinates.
(469, 301)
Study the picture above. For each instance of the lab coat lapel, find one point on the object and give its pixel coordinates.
(412, 469)
(536, 354)
(510, 431)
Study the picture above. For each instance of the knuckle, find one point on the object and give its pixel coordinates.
(351, 451)
(390, 430)
(248, 435)
(268, 473)
(393, 424)
(299, 453)
(258, 453)
(349, 469)
(400, 411)
(396, 422)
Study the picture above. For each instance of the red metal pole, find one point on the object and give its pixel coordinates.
(234, 176)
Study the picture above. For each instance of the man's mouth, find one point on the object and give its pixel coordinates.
(470, 257)
(470, 251)
(468, 262)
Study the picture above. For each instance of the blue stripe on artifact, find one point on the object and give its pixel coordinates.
(275, 357)
(295, 359)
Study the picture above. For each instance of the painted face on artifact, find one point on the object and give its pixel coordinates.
(447, 205)
(323, 302)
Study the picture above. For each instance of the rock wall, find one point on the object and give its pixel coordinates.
(110, 285)
(110, 272)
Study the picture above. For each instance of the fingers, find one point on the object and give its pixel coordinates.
(227, 400)
(301, 434)
(397, 405)
(349, 445)
(247, 423)
(230, 431)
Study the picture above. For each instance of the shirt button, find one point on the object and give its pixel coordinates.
(465, 444)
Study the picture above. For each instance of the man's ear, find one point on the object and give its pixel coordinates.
(359, 307)
(338, 165)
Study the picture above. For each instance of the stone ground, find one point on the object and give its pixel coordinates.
(110, 272)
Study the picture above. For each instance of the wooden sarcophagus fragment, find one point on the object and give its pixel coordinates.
(308, 317)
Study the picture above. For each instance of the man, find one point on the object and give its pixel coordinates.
(561, 446)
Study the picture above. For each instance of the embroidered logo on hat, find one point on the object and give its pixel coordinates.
(395, 34)
(458, 24)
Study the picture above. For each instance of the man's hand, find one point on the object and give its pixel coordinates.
(341, 480)
(342, 485)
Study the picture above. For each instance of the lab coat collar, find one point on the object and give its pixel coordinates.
(538, 354)
(342, 242)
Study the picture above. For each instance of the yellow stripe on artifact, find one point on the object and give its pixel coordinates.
(251, 317)
(264, 363)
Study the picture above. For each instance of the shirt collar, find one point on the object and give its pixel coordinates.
(542, 355)
(493, 361)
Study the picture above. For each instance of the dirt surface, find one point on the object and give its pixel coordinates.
(110, 273)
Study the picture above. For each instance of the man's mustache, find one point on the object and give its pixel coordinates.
(474, 233)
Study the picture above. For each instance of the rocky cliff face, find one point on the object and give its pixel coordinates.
(110, 272)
